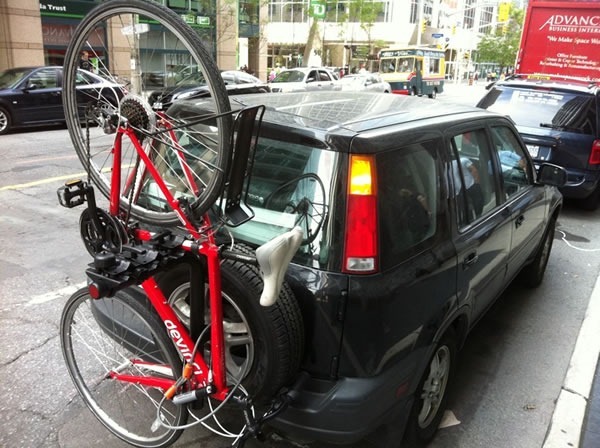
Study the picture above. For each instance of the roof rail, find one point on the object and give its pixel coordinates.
(552, 77)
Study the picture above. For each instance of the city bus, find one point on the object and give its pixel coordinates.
(413, 71)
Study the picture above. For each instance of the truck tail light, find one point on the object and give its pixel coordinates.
(595, 154)
(361, 242)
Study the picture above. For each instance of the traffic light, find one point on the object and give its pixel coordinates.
(467, 55)
(453, 30)
(423, 25)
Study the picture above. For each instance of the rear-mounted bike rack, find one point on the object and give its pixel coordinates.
(247, 128)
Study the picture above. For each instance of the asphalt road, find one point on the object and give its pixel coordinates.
(510, 373)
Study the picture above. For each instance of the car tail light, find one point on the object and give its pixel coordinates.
(361, 243)
(595, 154)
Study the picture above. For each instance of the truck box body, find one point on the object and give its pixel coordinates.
(561, 38)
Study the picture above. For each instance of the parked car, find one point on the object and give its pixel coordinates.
(416, 218)
(194, 86)
(31, 96)
(559, 120)
(305, 80)
(369, 82)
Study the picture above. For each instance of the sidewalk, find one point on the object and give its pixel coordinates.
(576, 419)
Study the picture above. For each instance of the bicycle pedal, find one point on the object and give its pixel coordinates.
(72, 193)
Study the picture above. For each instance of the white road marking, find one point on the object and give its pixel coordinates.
(53, 295)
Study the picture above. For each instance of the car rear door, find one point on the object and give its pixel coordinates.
(524, 200)
(483, 223)
(41, 100)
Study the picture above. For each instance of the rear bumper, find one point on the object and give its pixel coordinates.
(580, 184)
(349, 409)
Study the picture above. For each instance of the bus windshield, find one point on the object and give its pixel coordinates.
(397, 65)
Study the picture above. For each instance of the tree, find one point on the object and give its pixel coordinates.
(502, 45)
(365, 12)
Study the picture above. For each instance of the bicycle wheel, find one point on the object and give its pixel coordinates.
(142, 55)
(120, 334)
(303, 196)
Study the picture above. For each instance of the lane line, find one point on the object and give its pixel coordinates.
(53, 295)
(33, 161)
(42, 181)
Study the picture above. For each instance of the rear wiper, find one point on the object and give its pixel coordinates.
(559, 127)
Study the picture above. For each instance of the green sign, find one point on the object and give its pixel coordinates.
(190, 19)
(65, 8)
(203, 21)
(318, 8)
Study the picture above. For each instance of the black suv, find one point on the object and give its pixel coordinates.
(559, 120)
(416, 217)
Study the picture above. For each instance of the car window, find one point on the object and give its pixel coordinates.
(472, 174)
(83, 78)
(516, 174)
(44, 79)
(408, 198)
(245, 78)
(228, 79)
(324, 76)
(554, 109)
(291, 185)
(290, 76)
(312, 76)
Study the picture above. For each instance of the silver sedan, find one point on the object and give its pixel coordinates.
(366, 82)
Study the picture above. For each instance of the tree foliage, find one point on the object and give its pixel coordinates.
(501, 46)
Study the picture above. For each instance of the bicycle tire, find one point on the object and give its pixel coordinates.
(101, 335)
(128, 40)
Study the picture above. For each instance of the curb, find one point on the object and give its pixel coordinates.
(569, 414)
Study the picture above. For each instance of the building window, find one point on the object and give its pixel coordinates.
(336, 12)
(414, 11)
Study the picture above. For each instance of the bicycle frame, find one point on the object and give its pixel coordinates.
(202, 375)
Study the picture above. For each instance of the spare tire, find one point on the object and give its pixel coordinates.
(263, 345)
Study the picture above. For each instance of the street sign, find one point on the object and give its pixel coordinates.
(437, 35)
(318, 8)
(138, 28)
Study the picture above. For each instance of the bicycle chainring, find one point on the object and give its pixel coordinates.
(110, 237)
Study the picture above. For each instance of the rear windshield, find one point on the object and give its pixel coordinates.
(554, 109)
(291, 184)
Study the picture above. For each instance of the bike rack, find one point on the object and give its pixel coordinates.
(247, 127)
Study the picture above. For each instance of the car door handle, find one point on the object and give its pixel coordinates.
(470, 259)
(519, 221)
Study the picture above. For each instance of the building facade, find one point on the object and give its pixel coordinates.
(268, 33)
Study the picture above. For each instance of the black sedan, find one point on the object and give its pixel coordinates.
(31, 96)
(194, 86)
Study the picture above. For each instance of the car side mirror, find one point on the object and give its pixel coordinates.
(310, 80)
(31, 86)
(549, 174)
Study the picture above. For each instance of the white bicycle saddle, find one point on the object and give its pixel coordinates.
(273, 259)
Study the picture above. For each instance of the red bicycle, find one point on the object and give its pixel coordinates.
(140, 365)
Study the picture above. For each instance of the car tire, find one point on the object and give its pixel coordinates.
(431, 394)
(275, 334)
(5, 121)
(592, 202)
(532, 275)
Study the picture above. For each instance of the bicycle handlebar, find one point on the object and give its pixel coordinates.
(273, 260)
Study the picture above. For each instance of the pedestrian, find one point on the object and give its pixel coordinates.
(84, 61)
(272, 74)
